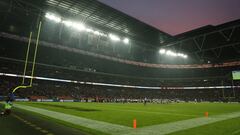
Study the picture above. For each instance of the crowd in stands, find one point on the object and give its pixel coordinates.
(44, 70)
(60, 90)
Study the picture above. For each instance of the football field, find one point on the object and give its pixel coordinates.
(117, 118)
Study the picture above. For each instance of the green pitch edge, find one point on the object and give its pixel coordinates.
(115, 129)
(168, 128)
(93, 124)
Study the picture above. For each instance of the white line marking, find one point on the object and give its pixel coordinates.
(93, 124)
(168, 128)
(236, 132)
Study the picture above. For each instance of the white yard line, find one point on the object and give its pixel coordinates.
(168, 128)
(236, 132)
(93, 124)
(115, 129)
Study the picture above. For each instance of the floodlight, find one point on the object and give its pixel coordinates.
(102, 34)
(79, 26)
(174, 54)
(53, 17)
(126, 40)
(96, 32)
(68, 23)
(114, 37)
(162, 51)
(170, 53)
(179, 54)
(89, 30)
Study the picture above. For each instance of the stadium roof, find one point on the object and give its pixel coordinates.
(102, 16)
(211, 44)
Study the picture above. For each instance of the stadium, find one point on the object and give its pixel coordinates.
(82, 67)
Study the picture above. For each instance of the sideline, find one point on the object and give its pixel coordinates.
(168, 128)
(32, 125)
(93, 124)
(115, 129)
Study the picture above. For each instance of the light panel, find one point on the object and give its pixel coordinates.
(171, 53)
(68, 23)
(53, 17)
(114, 37)
(96, 32)
(162, 51)
(89, 30)
(126, 40)
(81, 27)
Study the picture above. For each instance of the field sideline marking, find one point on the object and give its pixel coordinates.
(236, 132)
(32, 125)
(172, 127)
(115, 129)
(128, 109)
(93, 124)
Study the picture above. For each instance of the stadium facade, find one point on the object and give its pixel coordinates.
(88, 41)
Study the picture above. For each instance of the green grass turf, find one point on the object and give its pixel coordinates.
(227, 127)
(151, 114)
(10, 125)
(84, 130)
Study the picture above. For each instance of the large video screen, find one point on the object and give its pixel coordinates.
(236, 75)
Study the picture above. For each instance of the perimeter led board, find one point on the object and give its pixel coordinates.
(236, 75)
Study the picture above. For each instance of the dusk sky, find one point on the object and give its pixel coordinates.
(178, 16)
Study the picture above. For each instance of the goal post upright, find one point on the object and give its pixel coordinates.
(27, 58)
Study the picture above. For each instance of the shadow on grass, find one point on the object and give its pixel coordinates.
(72, 108)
